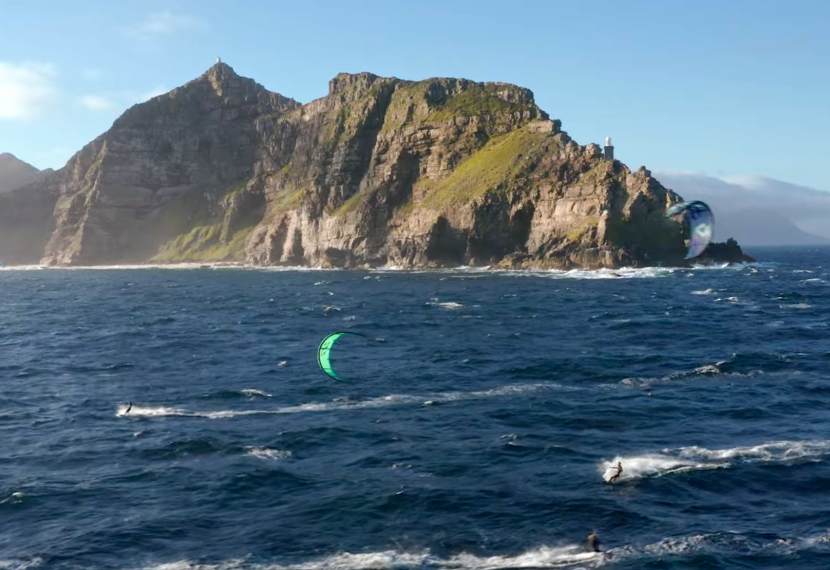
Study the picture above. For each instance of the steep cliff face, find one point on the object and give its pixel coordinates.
(380, 171)
(161, 172)
(448, 172)
(26, 222)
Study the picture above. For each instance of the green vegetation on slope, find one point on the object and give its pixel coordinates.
(477, 99)
(202, 244)
(493, 167)
(289, 198)
(584, 227)
(351, 204)
(416, 103)
(208, 236)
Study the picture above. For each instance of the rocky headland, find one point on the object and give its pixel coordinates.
(379, 172)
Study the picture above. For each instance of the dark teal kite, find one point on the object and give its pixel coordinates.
(701, 224)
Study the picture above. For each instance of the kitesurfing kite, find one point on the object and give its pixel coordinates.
(701, 224)
(324, 352)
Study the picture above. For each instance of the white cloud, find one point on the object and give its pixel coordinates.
(97, 102)
(92, 74)
(26, 89)
(167, 24)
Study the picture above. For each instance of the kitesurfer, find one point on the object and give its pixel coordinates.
(129, 407)
(616, 474)
(593, 543)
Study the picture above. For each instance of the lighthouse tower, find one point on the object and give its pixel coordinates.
(609, 150)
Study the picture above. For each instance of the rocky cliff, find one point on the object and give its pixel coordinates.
(381, 171)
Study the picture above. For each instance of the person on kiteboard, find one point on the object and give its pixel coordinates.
(616, 475)
(593, 543)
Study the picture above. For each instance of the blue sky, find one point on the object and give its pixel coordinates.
(722, 87)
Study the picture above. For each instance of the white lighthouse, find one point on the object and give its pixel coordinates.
(609, 150)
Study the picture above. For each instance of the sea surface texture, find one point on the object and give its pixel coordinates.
(472, 429)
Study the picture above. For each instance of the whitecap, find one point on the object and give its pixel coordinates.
(704, 292)
(253, 393)
(17, 564)
(696, 458)
(447, 305)
(343, 404)
(653, 465)
(148, 411)
(267, 453)
(14, 499)
(779, 451)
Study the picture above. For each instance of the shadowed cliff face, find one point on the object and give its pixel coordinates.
(381, 171)
(164, 169)
(15, 173)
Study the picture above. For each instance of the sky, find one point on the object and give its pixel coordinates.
(715, 87)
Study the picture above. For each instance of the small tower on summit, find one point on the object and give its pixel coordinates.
(218, 60)
(609, 150)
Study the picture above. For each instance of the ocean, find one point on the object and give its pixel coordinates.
(471, 429)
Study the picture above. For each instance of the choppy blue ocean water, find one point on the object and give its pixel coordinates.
(477, 418)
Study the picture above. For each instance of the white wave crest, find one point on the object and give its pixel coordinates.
(621, 273)
(253, 393)
(21, 268)
(695, 458)
(772, 451)
(267, 453)
(13, 499)
(542, 557)
(653, 465)
(14, 564)
(545, 556)
(704, 292)
(447, 305)
(701, 371)
(144, 411)
(339, 404)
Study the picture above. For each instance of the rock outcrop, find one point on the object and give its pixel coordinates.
(381, 171)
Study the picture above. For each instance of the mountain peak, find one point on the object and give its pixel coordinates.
(15, 173)
(219, 71)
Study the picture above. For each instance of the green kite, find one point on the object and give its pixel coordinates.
(324, 353)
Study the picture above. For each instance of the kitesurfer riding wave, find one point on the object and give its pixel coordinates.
(613, 473)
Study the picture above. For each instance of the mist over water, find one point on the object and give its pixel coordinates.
(472, 430)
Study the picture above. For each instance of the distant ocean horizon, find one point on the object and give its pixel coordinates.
(171, 418)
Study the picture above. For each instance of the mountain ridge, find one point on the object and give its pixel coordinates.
(757, 210)
(380, 171)
(15, 173)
